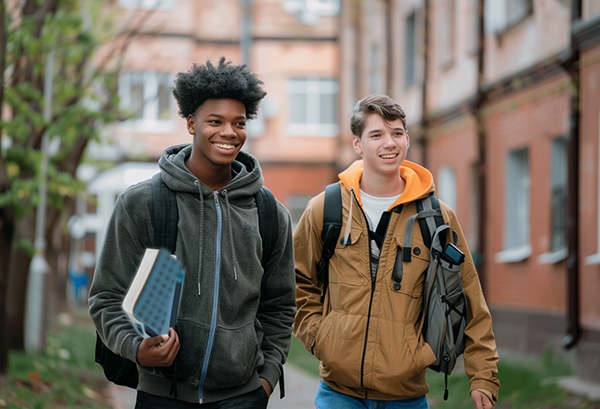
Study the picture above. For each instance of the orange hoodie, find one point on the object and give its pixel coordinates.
(366, 332)
(419, 181)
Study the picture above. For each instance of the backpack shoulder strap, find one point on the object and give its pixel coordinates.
(165, 214)
(332, 226)
(429, 224)
(268, 227)
(268, 222)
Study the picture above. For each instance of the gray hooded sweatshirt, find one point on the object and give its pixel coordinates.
(235, 319)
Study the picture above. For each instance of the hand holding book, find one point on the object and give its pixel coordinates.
(159, 351)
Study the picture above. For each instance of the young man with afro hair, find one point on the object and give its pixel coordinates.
(234, 322)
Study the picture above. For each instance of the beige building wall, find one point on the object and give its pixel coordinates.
(535, 38)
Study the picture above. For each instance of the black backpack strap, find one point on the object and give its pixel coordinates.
(332, 226)
(165, 214)
(268, 226)
(166, 217)
(426, 224)
(268, 222)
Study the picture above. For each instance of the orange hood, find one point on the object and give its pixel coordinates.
(419, 181)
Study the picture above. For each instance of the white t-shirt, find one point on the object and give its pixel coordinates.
(374, 206)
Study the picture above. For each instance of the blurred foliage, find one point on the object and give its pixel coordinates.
(83, 98)
(66, 376)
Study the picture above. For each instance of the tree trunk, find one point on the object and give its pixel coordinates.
(6, 223)
(6, 238)
(17, 285)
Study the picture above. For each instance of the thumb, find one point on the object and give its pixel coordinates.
(160, 339)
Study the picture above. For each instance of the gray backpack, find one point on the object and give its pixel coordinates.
(444, 301)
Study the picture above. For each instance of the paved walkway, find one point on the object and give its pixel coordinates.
(300, 390)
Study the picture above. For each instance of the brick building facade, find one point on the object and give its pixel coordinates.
(502, 104)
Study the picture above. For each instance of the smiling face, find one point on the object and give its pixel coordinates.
(383, 145)
(219, 130)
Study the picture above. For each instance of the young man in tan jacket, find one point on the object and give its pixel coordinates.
(365, 332)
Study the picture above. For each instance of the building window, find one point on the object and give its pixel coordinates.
(296, 205)
(447, 33)
(503, 14)
(516, 213)
(308, 11)
(375, 74)
(147, 96)
(322, 7)
(595, 258)
(410, 54)
(313, 106)
(558, 222)
(447, 186)
(148, 4)
(559, 194)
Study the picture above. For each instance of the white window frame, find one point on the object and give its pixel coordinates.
(517, 245)
(313, 87)
(498, 17)
(149, 122)
(447, 186)
(320, 7)
(447, 34)
(148, 4)
(595, 258)
(558, 172)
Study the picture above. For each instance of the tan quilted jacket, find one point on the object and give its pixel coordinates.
(367, 334)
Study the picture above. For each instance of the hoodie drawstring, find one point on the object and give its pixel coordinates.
(224, 193)
(346, 239)
(200, 234)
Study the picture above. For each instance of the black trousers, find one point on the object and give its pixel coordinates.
(256, 399)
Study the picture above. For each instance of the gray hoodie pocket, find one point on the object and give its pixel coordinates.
(232, 360)
(234, 357)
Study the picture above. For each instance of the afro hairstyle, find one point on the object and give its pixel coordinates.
(203, 82)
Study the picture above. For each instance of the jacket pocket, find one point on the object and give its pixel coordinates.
(234, 357)
(322, 334)
(350, 263)
(232, 360)
(422, 354)
(413, 271)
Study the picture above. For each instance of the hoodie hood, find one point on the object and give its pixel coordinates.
(247, 179)
(419, 181)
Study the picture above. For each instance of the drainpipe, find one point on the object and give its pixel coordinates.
(424, 121)
(481, 145)
(388, 49)
(572, 67)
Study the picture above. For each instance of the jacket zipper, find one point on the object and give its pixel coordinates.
(213, 320)
(373, 282)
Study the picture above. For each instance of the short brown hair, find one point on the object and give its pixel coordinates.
(379, 104)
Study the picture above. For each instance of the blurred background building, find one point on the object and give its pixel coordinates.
(502, 104)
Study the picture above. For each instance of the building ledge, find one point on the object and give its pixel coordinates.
(587, 32)
(593, 259)
(580, 387)
(553, 257)
(513, 255)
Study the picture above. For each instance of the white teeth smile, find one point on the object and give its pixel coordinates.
(224, 146)
(390, 156)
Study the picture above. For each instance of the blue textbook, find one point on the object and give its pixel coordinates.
(152, 301)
